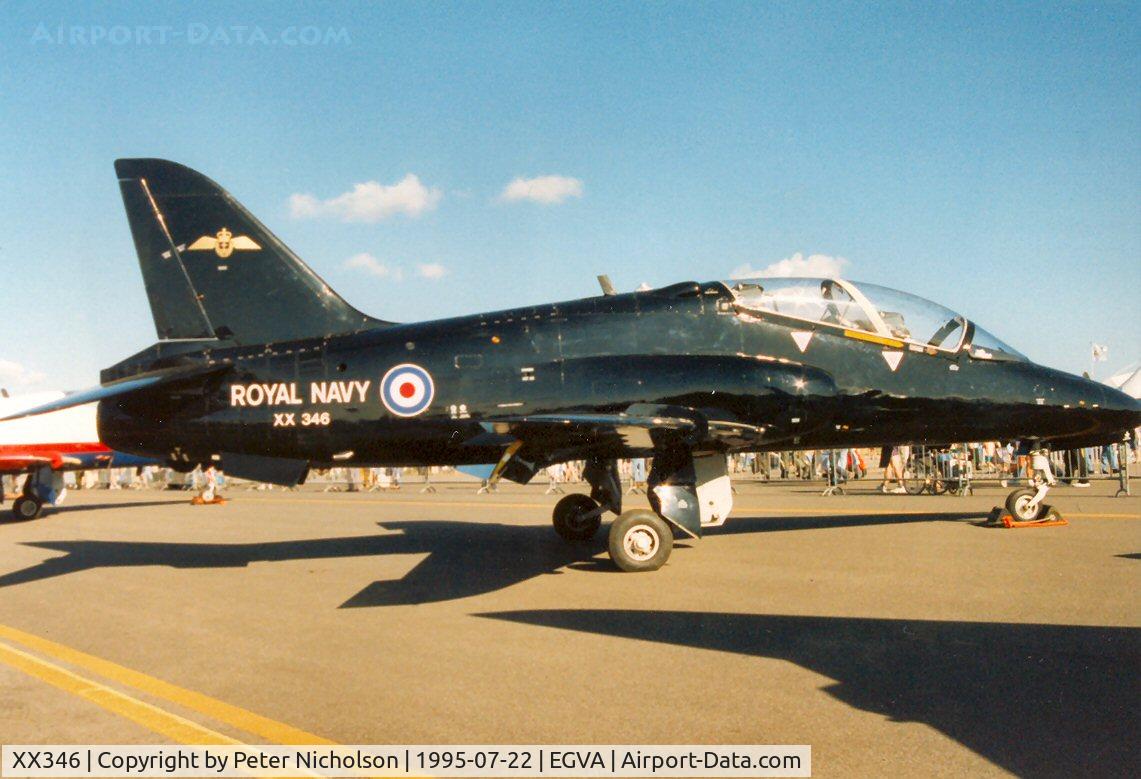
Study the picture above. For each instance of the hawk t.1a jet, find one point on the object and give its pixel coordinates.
(45, 446)
(263, 369)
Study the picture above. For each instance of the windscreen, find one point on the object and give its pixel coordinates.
(985, 346)
(912, 318)
(855, 306)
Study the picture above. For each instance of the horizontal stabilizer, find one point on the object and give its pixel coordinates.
(134, 384)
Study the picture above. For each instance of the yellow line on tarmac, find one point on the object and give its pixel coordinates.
(151, 717)
(737, 510)
(203, 704)
(434, 504)
(1101, 515)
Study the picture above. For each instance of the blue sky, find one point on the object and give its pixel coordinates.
(986, 156)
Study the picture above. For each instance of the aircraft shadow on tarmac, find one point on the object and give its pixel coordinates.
(1038, 700)
(463, 558)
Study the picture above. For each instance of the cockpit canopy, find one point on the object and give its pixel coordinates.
(867, 308)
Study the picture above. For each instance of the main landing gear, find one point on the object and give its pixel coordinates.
(640, 540)
(27, 507)
(687, 491)
(41, 486)
(577, 517)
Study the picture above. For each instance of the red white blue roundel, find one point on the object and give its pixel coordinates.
(407, 390)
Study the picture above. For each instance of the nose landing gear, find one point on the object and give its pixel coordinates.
(1025, 504)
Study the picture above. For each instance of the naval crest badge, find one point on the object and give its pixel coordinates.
(224, 243)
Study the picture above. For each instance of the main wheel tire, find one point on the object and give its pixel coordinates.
(640, 540)
(26, 508)
(571, 520)
(1018, 504)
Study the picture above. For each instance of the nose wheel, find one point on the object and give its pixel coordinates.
(1025, 505)
(640, 540)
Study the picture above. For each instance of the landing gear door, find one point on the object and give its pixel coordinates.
(714, 491)
(691, 490)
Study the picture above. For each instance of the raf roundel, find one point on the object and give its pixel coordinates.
(407, 390)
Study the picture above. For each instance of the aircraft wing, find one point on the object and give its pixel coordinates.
(639, 425)
(633, 428)
(18, 463)
(531, 442)
(602, 421)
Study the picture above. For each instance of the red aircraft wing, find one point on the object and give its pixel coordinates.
(18, 463)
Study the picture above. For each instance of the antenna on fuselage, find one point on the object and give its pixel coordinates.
(607, 286)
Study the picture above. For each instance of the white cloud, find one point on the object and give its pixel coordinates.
(375, 267)
(370, 201)
(432, 270)
(13, 374)
(542, 189)
(371, 265)
(796, 265)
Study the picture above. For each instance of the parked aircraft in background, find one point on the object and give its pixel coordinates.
(45, 446)
(262, 368)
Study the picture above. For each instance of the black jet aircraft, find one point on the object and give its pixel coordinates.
(263, 369)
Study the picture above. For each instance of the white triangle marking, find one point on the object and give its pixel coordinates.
(802, 338)
(893, 359)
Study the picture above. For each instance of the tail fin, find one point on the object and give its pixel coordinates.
(212, 270)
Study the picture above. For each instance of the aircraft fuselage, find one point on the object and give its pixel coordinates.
(320, 399)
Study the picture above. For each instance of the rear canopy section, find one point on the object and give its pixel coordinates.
(212, 270)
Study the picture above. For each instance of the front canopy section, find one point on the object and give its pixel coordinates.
(870, 309)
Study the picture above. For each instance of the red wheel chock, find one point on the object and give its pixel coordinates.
(1050, 519)
(198, 501)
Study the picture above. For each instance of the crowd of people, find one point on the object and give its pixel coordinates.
(1004, 463)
